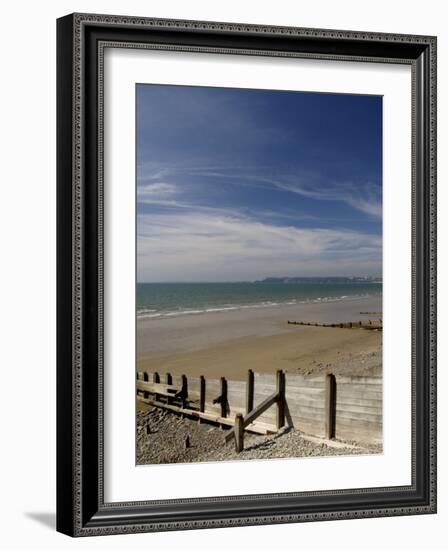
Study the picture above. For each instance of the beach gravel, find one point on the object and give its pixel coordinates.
(165, 438)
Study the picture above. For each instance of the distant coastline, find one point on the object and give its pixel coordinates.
(321, 280)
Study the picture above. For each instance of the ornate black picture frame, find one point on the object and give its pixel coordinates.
(81, 509)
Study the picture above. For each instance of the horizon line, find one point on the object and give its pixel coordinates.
(367, 277)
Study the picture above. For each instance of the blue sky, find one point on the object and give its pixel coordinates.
(237, 184)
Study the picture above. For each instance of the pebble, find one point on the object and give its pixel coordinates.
(168, 444)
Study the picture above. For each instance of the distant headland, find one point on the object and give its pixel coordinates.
(320, 280)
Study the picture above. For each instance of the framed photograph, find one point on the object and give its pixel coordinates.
(246, 274)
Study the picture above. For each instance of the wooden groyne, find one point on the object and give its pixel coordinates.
(342, 407)
(376, 324)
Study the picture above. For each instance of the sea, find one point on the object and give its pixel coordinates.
(165, 300)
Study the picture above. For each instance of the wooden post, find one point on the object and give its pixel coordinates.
(330, 406)
(169, 381)
(223, 397)
(239, 433)
(184, 391)
(250, 391)
(281, 399)
(145, 379)
(156, 380)
(201, 395)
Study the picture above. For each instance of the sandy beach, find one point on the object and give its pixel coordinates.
(231, 342)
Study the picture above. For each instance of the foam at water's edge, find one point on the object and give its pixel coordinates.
(154, 314)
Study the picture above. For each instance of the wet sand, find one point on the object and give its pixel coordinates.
(229, 343)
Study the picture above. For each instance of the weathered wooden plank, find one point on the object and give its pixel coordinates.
(249, 418)
(194, 384)
(281, 404)
(303, 408)
(361, 386)
(365, 380)
(356, 382)
(264, 378)
(262, 391)
(236, 386)
(255, 427)
(358, 416)
(202, 394)
(259, 409)
(239, 433)
(360, 427)
(213, 387)
(357, 399)
(249, 391)
(317, 384)
(228, 421)
(150, 387)
(223, 402)
(309, 418)
(304, 389)
(330, 406)
(310, 425)
(236, 390)
(309, 382)
(184, 390)
(360, 406)
(146, 378)
(306, 405)
(317, 397)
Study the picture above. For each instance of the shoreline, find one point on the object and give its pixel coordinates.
(193, 332)
(229, 343)
(149, 313)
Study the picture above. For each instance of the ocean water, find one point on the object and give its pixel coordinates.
(164, 300)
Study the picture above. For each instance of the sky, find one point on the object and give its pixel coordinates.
(238, 184)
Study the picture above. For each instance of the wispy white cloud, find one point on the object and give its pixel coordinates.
(156, 189)
(199, 245)
(362, 196)
(369, 205)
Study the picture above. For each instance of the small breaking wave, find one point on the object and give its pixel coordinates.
(148, 313)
